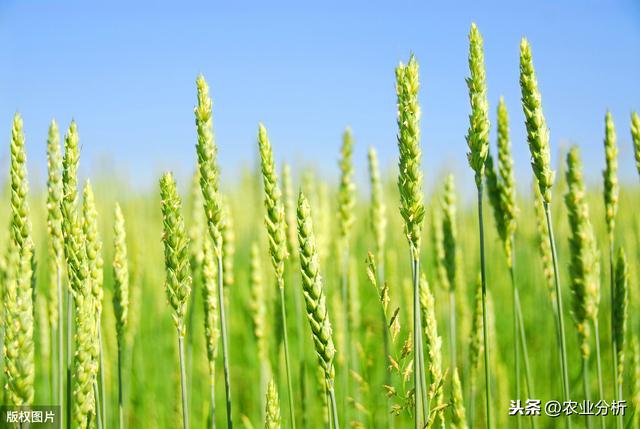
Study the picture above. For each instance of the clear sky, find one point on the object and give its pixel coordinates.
(125, 71)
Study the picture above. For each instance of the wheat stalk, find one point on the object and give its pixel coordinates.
(538, 140)
(276, 229)
(206, 150)
(346, 205)
(314, 296)
(412, 209)
(478, 142)
(78, 269)
(584, 265)
(502, 195)
(475, 346)
(378, 224)
(610, 193)
(178, 276)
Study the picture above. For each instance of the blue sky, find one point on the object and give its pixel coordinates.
(125, 71)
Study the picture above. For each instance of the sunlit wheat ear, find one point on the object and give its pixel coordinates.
(289, 210)
(54, 221)
(84, 361)
(458, 413)
(207, 152)
(120, 273)
(493, 185)
(378, 209)
(18, 338)
(584, 264)
(478, 134)
(276, 230)
(275, 215)
(410, 171)
(178, 270)
(433, 348)
(537, 131)
(258, 303)
(449, 230)
(500, 184)
(620, 312)
(610, 174)
(197, 224)
(346, 189)
(120, 297)
(207, 165)
(176, 252)
(635, 137)
(95, 265)
(272, 414)
(208, 274)
(228, 242)
(314, 290)
(95, 261)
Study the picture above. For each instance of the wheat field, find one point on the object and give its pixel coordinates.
(289, 299)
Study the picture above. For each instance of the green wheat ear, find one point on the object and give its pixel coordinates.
(635, 136)
(54, 219)
(433, 346)
(176, 252)
(508, 181)
(275, 214)
(207, 152)
(120, 273)
(228, 242)
(449, 232)
(620, 309)
(208, 273)
(584, 265)
(346, 189)
(289, 210)
(18, 297)
(78, 269)
(377, 215)
(410, 172)
(537, 131)
(478, 134)
(95, 260)
(313, 289)
(257, 303)
(272, 412)
(458, 413)
(609, 174)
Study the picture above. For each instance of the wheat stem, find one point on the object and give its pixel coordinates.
(485, 334)
(183, 382)
(559, 311)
